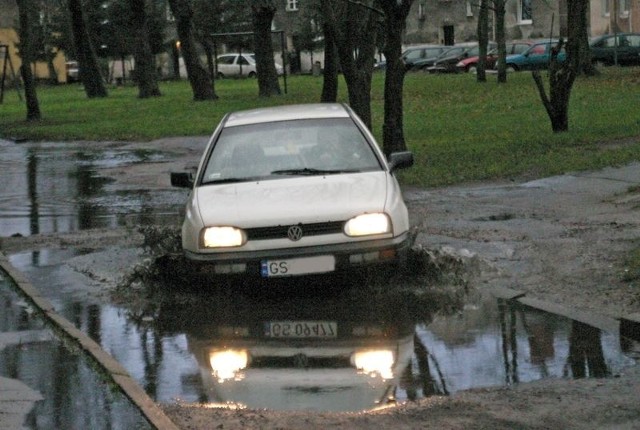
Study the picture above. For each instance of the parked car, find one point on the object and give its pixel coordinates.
(537, 57)
(447, 62)
(414, 56)
(294, 190)
(235, 64)
(470, 64)
(73, 71)
(622, 49)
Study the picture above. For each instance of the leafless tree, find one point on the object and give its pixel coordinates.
(353, 27)
(146, 75)
(483, 40)
(562, 75)
(27, 55)
(395, 15)
(262, 17)
(90, 74)
(201, 84)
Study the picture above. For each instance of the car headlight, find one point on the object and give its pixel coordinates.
(223, 237)
(367, 224)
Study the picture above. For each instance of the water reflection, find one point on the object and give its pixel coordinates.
(73, 394)
(337, 354)
(53, 188)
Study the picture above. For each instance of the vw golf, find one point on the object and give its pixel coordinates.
(294, 190)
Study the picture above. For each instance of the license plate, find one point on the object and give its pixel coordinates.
(297, 266)
(301, 329)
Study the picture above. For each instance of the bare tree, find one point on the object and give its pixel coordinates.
(146, 76)
(499, 10)
(395, 15)
(330, 73)
(262, 17)
(89, 71)
(27, 55)
(199, 79)
(483, 40)
(353, 25)
(562, 75)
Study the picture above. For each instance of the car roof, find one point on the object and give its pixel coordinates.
(287, 113)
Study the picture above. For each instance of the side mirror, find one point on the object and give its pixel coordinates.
(400, 160)
(181, 179)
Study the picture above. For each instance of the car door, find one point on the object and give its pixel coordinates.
(629, 49)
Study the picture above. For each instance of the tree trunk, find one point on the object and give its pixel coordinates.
(330, 73)
(483, 40)
(500, 11)
(262, 14)
(355, 41)
(198, 77)
(563, 75)
(26, 54)
(145, 64)
(395, 15)
(88, 65)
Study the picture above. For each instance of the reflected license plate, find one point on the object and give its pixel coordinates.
(297, 266)
(301, 329)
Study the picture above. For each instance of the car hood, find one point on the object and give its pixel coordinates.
(292, 200)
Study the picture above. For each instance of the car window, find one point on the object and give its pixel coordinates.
(538, 49)
(433, 52)
(226, 59)
(243, 60)
(519, 48)
(276, 149)
(634, 41)
(414, 54)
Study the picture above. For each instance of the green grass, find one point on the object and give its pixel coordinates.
(459, 130)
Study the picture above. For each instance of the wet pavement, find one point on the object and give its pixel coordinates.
(334, 349)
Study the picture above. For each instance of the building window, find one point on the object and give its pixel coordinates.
(292, 5)
(524, 12)
(606, 7)
(421, 11)
(469, 10)
(623, 8)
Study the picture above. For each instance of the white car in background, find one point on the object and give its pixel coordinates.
(235, 64)
(294, 190)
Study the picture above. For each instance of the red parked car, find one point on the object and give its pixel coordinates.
(471, 64)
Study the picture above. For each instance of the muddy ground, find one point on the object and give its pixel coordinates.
(564, 240)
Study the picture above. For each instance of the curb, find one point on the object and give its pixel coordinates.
(118, 374)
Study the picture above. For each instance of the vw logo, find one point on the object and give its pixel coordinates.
(295, 233)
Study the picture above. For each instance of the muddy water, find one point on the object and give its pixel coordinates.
(340, 345)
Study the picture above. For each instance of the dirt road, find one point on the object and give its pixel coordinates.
(562, 240)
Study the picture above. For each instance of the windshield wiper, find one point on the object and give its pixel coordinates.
(230, 180)
(310, 171)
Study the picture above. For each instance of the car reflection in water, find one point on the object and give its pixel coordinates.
(325, 354)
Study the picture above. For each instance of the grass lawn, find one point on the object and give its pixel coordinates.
(459, 130)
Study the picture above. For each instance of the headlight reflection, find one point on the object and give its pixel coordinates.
(227, 364)
(374, 363)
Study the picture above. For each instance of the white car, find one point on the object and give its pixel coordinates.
(239, 65)
(294, 190)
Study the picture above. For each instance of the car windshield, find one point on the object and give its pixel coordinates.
(289, 148)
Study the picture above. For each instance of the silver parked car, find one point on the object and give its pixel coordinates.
(294, 190)
(235, 64)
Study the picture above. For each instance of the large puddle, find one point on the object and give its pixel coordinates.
(339, 346)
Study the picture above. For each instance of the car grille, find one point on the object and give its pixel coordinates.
(281, 231)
